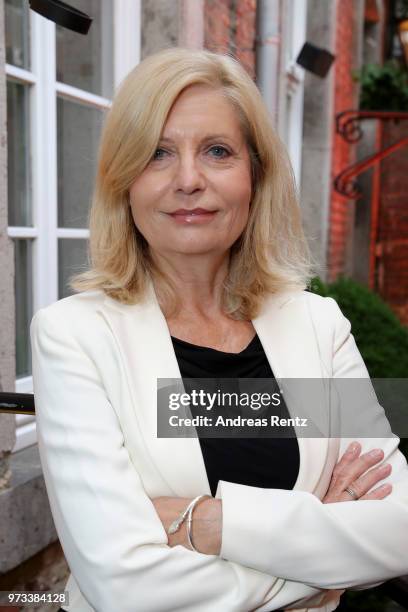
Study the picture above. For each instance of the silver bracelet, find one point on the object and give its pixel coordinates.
(190, 519)
(175, 526)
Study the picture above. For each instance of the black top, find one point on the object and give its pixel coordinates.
(258, 462)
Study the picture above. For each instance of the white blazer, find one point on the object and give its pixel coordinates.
(95, 369)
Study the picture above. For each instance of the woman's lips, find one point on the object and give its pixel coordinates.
(193, 217)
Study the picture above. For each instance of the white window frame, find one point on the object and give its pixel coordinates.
(291, 82)
(43, 93)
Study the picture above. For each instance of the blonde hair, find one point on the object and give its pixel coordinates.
(271, 254)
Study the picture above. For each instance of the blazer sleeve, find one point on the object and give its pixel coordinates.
(112, 537)
(293, 535)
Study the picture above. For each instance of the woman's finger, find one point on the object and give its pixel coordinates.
(341, 467)
(351, 467)
(379, 493)
(366, 482)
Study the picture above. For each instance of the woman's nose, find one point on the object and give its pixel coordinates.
(189, 173)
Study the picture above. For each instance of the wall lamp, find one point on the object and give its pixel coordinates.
(62, 14)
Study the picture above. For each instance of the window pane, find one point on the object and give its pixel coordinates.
(17, 33)
(18, 143)
(79, 129)
(23, 286)
(87, 61)
(72, 259)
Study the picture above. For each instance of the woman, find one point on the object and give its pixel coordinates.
(199, 269)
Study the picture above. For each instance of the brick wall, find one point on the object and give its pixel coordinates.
(229, 27)
(392, 234)
(391, 277)
(343, 154)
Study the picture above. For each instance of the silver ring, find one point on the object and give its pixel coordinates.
(351, 492)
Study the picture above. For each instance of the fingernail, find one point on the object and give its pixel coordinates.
(353, 447)
(375, 453)
(386, 487)
(385, 468)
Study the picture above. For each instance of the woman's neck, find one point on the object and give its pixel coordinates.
(198, 282)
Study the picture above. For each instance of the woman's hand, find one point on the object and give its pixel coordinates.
(168, 509)
(206, 527)
(351, 471)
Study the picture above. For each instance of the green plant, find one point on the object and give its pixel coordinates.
(383, 88)
(380, 336)
(402, 9)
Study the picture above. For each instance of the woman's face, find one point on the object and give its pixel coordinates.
(202, 162)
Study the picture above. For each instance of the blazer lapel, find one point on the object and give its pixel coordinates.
(144, 341)
(286, 331)
(145, 345)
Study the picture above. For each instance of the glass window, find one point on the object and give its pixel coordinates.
(78, 134)
(72, 259)
(18, 143)
(86, 62)
(48, 211)
(17, 33)
(23, 285)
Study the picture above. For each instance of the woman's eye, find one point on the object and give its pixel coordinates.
(158, 157)
(220, 153)
(224, 151)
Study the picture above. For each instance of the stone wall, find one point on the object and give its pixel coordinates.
(7, 326)
(318, 136)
